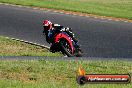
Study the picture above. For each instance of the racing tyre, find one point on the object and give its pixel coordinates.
(65, 48)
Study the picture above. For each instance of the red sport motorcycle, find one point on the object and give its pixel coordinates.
(64, 43)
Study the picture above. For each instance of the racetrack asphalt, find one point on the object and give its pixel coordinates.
(98, 37)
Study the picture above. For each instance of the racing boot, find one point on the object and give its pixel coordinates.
(77, 46)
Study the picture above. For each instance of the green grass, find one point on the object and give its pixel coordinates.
(114, 8)
(10, 47)
(58, 73)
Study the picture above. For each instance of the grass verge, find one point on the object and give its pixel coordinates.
(114, 8)
(57, 73)
(10, 47)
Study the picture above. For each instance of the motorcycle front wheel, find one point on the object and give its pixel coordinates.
(65, 48)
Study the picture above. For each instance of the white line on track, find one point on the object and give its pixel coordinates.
(29, 42)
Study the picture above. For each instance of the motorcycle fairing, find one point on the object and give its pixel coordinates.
(64, 36)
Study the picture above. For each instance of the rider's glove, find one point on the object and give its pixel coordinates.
(63, 29)
(66, 29)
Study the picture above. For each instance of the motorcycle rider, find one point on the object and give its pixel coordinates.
(50, 29)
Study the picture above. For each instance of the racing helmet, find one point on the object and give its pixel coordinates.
(47, 25)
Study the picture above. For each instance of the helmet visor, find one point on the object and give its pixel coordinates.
(46, 27)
